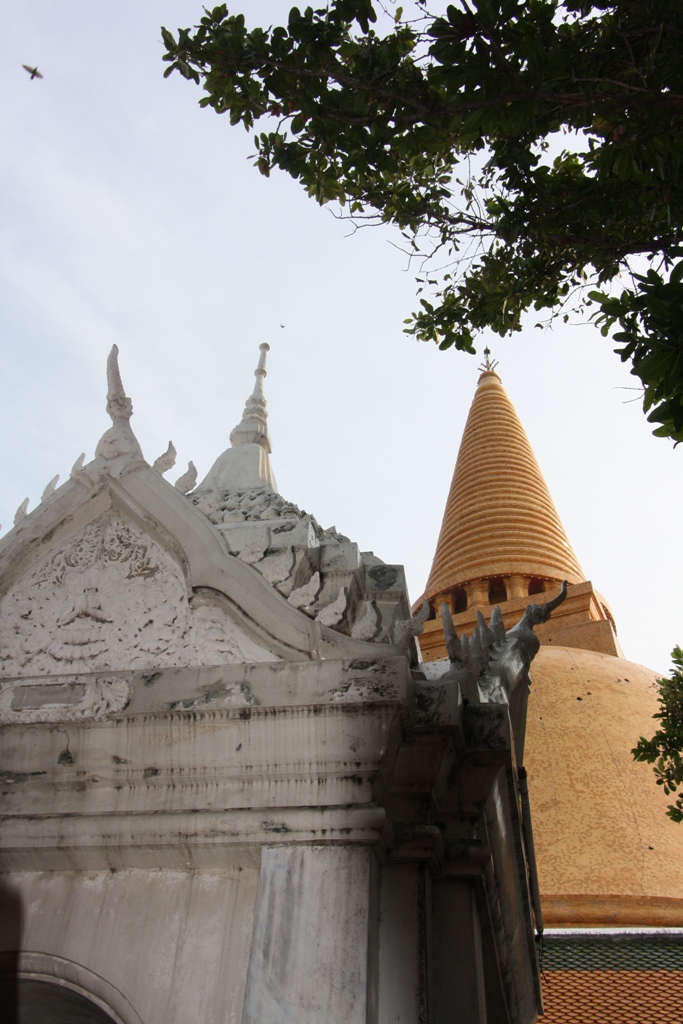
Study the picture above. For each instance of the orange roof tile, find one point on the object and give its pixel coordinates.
(612, 997)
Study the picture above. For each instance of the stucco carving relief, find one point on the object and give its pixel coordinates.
(113, 599)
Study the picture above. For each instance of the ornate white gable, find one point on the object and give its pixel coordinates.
(118, 574)
(112, 599)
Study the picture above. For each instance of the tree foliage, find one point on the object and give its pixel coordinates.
(665, 748)
(531, 148)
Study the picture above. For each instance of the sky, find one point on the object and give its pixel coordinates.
(131, 216)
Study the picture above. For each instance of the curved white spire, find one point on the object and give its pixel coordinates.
(119, 439)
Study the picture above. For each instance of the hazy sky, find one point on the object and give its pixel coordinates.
(129, 215)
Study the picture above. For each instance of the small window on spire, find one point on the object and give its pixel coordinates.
(536, 586)
(497, 590)
(459, 600)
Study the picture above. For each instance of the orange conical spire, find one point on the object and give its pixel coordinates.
(500, 520)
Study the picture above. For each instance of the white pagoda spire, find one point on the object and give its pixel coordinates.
(253, 427)
(246, 464)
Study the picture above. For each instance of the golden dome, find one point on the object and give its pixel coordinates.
(500, 519)
(607, 853)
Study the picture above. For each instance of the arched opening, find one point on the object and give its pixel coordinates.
(39, 988)
(536, 586)
(42, 1001)
(497, 590)
(459, 600)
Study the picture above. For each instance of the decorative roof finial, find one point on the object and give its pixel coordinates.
(50, 489)
(253, 427)
(186, 482)
(489, 365)
(119, 406)
(245, 465)
(167, 460)
(21, 512)
(119, 439)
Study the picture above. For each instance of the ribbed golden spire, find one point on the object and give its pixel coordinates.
(500, 519)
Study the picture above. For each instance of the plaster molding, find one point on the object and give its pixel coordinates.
(56, 970)
(193, 838)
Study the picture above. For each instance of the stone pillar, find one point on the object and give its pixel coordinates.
(446, 598)
(311, 943)
(402, 988)
(517, 586)
(457, 961)
(478, 593)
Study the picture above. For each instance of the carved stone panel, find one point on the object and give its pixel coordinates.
(65, 699)
(113, 599)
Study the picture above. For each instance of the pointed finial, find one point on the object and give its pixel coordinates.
(119, 406)
(454, 643)
(77, 467)
(260, 371)
(489, 365)
(253, 427)
(119, 439)
(246, 465)
(167, 460)
(21, 512)
(50, 489)
(538, 613)
(365, 627)
(406, 628)
(186, 482)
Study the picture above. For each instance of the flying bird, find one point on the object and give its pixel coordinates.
(33, 72)
(282, 325)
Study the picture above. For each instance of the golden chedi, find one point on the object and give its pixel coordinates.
(607, 853)
(501, 539)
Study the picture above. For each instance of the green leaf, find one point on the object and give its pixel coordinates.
(451, 147)
(169, 41)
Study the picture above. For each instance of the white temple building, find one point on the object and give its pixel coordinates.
(230, 792)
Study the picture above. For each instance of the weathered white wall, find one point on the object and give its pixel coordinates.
(399, 945)
(175, 943)
(309, 952)
(457, 966)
